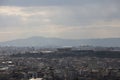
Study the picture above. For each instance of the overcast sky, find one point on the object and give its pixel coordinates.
(73, 19)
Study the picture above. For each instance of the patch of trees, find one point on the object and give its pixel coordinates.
(100, 54)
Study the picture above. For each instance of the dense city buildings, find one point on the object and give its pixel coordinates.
(66, 63)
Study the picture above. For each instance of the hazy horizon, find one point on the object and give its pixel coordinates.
(66, 19)
(22, 38)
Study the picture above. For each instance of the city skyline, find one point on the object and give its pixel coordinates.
(78, 19)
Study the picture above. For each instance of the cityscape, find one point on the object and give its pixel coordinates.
(59, 39)
(65, 63)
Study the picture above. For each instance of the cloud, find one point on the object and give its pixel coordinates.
(89, 19)
(28, 3)
(44, 2)
(67, 16)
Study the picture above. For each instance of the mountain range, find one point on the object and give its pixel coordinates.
(48, 42)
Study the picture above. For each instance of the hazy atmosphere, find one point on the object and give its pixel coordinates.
(69, 19)
(59, 39)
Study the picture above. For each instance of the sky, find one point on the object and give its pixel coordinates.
(69, 19)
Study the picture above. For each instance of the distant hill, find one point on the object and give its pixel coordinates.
(46, 42)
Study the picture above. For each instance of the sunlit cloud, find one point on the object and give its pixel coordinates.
(96, 19)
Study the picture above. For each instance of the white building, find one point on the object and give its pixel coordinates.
(36, 79)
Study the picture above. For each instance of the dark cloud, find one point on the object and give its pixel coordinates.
(85, 17)
(54, 2)
(37, 2)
